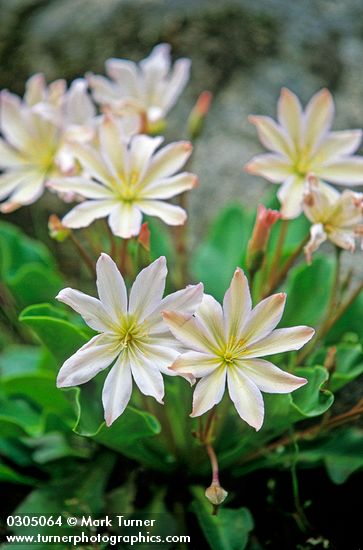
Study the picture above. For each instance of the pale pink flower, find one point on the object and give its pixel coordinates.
(129, 179)
(149, 89)
(226, 346)
(37, 132)
(132, 335)
(302, 143)
(335, 216)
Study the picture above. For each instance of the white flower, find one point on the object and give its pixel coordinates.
(37, 132)
(129, 179)
(335, 216)
(132, 335)
(150, 88)
(227, 345)
(302, 143)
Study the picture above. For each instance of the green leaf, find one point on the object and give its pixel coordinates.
(312, 399)
(17, 359)
(308, 292)
(18, 418)
(8, 475)
(223, 250)
(229, 530)
(17, 250)
(351, 321)
(34, 283)
(60, 337)
(348, 364)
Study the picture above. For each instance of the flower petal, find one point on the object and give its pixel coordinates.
(161, 353)
(317, 237)
(280, 340)
(83, 186)
(142, 149)
(269, 378)
(113, 148)
(117, 389)
(169, 213)
(78, 107)
(11, 180)
(271, 135)
(9, 157)
(290, 115)
(89, 360)
(195, 364)
(111, 287)
(273, 167)
(318, 118)
(246, 397)
(125, 220)
(147, 377)
(210, 315)
(237, 305)
(343, 238)
(209, 391)
(337, 144)
(148, 288)
(189, 331)
(85, 213)
(183, 301)
(169, 187)
(27, 191)
(126, 75)
(89, 307)
(290, 195)
(13, 124)
(177, 82)
(92, 162)
(348, 171)
(168, 161)
(264, 318)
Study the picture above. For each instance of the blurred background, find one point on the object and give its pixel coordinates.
(242, 50)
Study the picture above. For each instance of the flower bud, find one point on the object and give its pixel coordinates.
(261, 233)
(57, 230)
(198, 114)
(216, 494)
(144, 236)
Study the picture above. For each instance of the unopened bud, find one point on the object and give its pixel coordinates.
(198, 114)
(216, 494)
(144, 236)
(257, 245)
(57, 230)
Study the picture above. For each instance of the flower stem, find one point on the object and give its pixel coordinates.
(281, 275)
(84, 254)
(309, 433)
(124, 256)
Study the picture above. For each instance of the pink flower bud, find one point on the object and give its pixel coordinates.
(199, 114)
(144, 236)
(261, 233)
(57, 230)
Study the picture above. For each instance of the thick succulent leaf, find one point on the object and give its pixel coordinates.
(348, 364)
(8, 475)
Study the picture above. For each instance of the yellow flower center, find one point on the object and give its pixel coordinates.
(131, 333)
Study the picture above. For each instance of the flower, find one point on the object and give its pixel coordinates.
(37, 132)
(150, 89)
(335, 216)
(226, 344)
(128, 179)
(302, 143)
(257, 245)
(132, 334)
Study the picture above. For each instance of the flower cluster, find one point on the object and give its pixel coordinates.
(303, 146)
(185, 333)
(54, 137)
